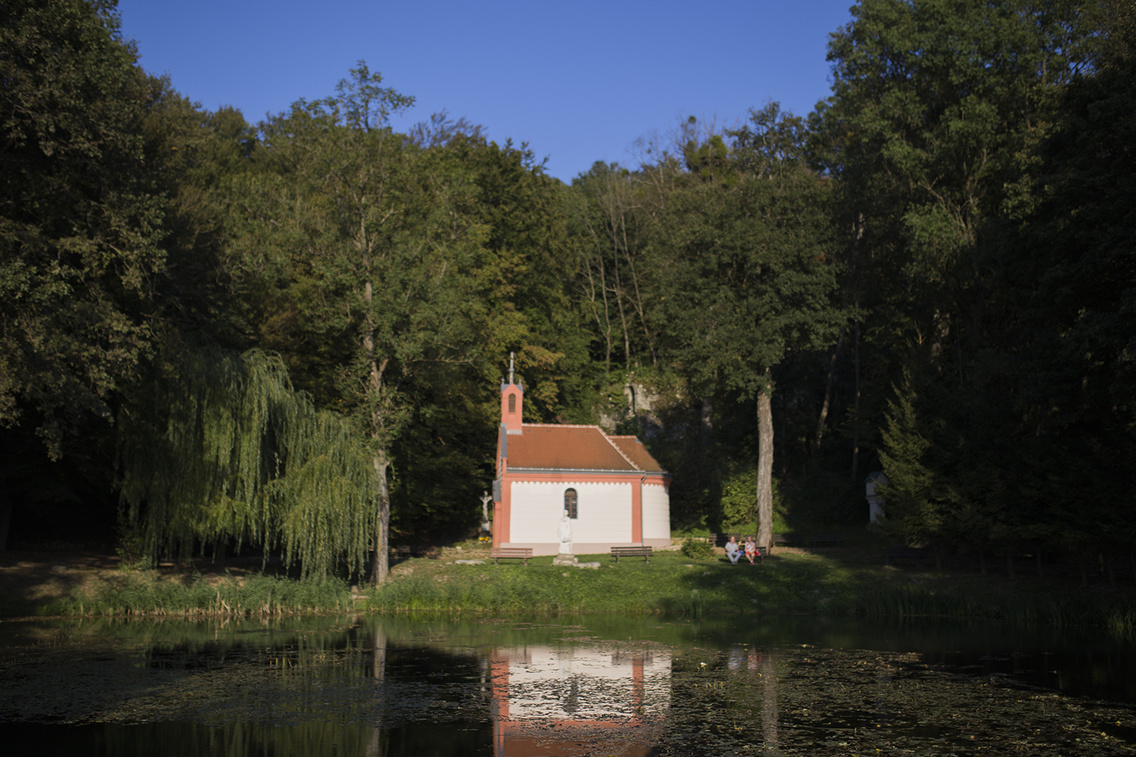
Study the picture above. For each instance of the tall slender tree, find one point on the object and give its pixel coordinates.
(369, 237)
(751, 277)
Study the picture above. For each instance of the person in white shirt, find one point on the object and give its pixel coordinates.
(732, 550)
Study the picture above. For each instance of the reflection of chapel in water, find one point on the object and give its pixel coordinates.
(543, 696)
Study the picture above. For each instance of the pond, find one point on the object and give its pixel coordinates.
(369, 685)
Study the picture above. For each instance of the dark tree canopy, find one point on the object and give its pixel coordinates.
(296, 328)
(80, 224)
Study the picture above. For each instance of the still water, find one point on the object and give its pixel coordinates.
(368, 685)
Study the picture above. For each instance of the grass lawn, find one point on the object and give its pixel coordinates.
(850, 580)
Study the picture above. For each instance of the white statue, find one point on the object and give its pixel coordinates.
(486, 525)
(564, 531)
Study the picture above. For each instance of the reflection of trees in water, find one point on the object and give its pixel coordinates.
(753, 669)
(177, 739)
(380, 686)
(379, 666)
(826, 702)
(768, 678)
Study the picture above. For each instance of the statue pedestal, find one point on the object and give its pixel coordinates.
(563, 559)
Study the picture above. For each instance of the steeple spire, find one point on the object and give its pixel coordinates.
(510, 367)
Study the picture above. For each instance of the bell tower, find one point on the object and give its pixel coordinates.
(512, 402)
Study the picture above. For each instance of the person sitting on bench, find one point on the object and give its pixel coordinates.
(733, 551)
(751, 550)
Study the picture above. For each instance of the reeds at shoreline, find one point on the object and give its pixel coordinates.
(147, 594)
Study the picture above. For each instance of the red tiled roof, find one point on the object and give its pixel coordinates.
(634, 450)
(576, 448)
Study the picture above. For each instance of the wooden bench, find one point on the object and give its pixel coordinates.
(520, 553)
(826, 540)
(618, 552)
(905, 554)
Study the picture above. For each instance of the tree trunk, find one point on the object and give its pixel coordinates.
(769, 703)
(764, 470)
(381, 562)
(856, 404)
(823, 417)
(705, 426)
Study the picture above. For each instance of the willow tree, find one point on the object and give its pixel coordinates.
(223, 450)
(374, 247)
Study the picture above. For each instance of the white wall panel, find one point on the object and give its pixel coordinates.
(604, 512)
(656, 512)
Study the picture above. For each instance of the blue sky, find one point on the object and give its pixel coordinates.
(578, 81)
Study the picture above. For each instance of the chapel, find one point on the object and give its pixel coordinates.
(614, 491)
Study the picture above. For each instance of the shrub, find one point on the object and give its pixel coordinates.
(739, 502)
(696, 549)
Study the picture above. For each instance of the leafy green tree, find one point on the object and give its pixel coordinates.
(609, 223)
(367, 236)
(937, 111)
(194, 156)
(524, 272)
(80, 227)
(1073, 280)
(751, 278)
(526, 268)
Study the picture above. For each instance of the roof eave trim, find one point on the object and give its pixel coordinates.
(637, 472)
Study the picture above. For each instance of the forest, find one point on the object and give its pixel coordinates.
(288, 337)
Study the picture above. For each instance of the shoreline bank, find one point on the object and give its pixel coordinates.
(790, 582)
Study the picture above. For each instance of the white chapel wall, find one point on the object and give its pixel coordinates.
(604, 512)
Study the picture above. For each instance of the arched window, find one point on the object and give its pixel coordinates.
(570, 503)
(512, 403)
